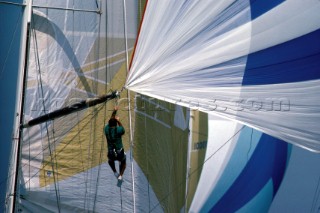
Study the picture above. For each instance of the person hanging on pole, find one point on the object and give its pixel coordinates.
(113, 132)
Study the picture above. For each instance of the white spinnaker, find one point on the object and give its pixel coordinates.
(51, 54)
(181, 58)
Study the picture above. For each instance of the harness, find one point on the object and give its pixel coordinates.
(113, 152)
(113, 138)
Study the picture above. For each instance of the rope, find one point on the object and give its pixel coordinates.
(101, 144)
(35, 157)
(10, 46)
(82, 161)
(120, 198)
(90, 149)
(146, 141)
(191, 117)
(129, 105)
(97, 5)
(55, 160)
(28, 131)
(250, 145)
(44, 149)
(316, 198)
(12, 3)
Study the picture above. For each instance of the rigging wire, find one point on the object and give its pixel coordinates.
(101, 144)
(93, 120)
(91, 149)
(44, 108)
(97, 5)
(316, 198)
(12, 3)
(85, 205)
(49, 143)
(44, 149)
(82, 19)
(120, 198)
(94, 115)
(55, 159)
(196, 169)
(190, 137)
(34, 158)
(29, 143)
(82, 160)
(38, 154)
(147, 176)
(250, 144)
(87, 189)
(11, 43)
(129, 105)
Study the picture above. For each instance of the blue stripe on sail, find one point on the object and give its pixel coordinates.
(267, 161)
(259, 7)
(245, 146)
(293, 61)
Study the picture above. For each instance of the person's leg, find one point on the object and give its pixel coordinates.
(112, 156)
(112, 165)
(122, 167)
(122, 162)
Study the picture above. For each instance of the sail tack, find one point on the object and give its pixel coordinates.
(250, 61)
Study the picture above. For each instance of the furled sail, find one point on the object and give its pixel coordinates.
(255, 62)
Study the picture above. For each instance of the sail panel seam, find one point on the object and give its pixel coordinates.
(70, 9)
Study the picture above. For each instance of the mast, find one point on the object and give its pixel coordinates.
(13, 179)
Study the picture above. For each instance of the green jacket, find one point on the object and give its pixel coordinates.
(113, 135)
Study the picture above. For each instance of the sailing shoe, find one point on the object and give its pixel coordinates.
(120, 178)
(116, 174)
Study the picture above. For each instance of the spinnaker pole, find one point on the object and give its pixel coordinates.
(83, 104)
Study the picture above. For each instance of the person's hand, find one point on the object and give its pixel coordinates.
(117, 118)
(116, 107)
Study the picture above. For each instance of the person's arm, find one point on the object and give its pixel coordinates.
(118, 120)
(121, 128)
(114, 112)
